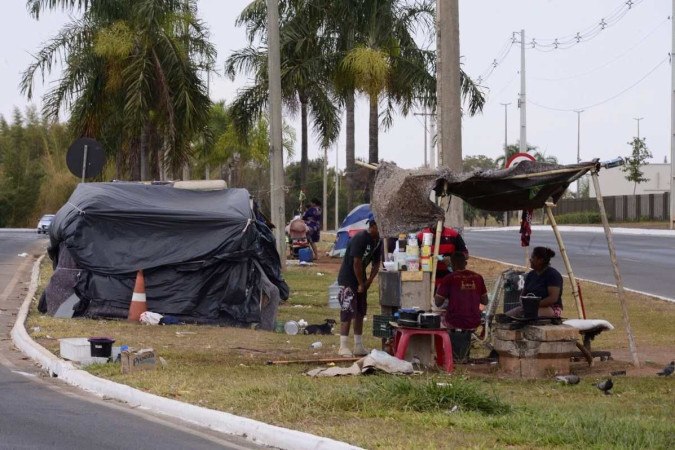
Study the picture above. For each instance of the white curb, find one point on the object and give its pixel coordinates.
(253, 430)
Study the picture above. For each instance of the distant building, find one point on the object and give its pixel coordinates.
(613, 181)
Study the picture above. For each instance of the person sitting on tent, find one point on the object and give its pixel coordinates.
(542, 281)
(362, 250)
(312, 217)
(451, 242)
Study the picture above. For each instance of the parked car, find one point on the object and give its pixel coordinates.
(44, 223)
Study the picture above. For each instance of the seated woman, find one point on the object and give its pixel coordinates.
(544, 282)
(312, 217)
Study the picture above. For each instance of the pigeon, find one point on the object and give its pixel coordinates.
(605, 386)
(668, 370)
(568, 379)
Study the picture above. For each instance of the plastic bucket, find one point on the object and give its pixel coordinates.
(305, 255)
(291, 327)
(101, 347)
(530, 306)
(427, 239)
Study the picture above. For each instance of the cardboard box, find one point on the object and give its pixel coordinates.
(145, 359)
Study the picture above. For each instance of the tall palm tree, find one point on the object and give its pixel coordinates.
(305, 80)
(131, 75)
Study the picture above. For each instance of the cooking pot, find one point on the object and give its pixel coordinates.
(430, 320)
(530, 306)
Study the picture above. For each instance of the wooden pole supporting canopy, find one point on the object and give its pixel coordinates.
(566, 260)
(617, 274)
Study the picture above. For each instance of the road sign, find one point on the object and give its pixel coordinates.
(85, 158)
(517, 158)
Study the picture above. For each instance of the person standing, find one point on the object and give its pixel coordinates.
(542, 281)
(312, 218)
(362, 250)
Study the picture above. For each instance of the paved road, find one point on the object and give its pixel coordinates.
(647, 263)
(39, 412)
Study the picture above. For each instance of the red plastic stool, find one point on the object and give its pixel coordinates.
(441, 342)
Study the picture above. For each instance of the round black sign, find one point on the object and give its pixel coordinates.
(93, 152)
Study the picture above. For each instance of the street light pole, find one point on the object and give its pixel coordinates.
(638, 119)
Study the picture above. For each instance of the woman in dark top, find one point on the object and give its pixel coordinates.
(312, 217)
(544, 282)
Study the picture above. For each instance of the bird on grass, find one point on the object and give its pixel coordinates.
(668, 370)
(568, 379)
(605, 386)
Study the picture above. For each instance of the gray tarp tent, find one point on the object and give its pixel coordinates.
(204, 256)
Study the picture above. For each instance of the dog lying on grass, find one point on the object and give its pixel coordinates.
(324, 328)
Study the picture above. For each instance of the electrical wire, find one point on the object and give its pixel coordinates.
(593, 105)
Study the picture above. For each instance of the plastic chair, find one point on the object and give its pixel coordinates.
(441, 342)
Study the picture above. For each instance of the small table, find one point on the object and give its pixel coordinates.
(442, 343)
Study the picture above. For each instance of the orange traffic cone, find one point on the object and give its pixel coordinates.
(138, 305)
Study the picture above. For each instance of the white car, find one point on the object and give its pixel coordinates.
(44, 223)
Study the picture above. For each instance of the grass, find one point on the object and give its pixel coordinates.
(225, 369)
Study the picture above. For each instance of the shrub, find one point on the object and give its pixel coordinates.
(578, 218)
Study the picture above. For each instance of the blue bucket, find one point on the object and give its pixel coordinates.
(305, 255)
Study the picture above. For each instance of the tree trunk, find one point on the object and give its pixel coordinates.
(303, 143)
(373, 157)
(350, 149)
(144, 152)
(207, 171)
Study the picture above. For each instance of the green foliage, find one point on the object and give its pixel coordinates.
(578, 218)
(638, 158)
(512, 149)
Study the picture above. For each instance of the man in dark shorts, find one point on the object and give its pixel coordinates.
(362, 250)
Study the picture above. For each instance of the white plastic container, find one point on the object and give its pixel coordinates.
(427, 239)
(75, 349)
(291, 327)
(333, 291)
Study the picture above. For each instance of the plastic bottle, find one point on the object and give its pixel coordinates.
(315, 345)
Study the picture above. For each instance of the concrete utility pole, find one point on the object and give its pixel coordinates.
(506, 149)
(433, 152)
(672, 123)
(638, 119)
(426, 136)
(578, 111)
(522, 99)
(277, 207)
(449, 99)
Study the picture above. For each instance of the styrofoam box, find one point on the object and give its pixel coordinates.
(75, 349)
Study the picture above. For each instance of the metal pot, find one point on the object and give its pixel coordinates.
(430, 320)
(530, 306)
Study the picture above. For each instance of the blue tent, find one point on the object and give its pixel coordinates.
(355, 221)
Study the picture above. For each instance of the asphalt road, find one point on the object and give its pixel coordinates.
(41, 412)
(647, 263)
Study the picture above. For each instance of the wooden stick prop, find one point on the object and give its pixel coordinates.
(434, 260)
(311, 361)
(566, 260)
(617, 273)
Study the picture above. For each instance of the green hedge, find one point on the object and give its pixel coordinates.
(578, 218)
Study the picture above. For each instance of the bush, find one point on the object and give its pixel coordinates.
(578, 218)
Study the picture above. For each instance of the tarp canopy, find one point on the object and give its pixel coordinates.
(401, 197)
(203, 253)
(356, 220)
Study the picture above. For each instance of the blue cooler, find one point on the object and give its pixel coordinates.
(305, 255)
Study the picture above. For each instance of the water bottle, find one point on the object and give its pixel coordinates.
(315, 345)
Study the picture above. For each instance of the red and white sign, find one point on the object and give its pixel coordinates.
(517, 158)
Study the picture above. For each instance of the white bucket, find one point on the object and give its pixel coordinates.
(427, 239)
(333, 291)
(291, 327)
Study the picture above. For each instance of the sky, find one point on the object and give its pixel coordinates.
(621, 74)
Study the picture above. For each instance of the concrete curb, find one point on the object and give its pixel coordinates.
(257, 432)
(19, 230)
(583, 229)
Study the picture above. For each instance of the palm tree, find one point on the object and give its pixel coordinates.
(304, 76)
(131, 75)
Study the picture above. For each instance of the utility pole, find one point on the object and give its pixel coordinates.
(522, 99)
(449, 100)
(638, 119)
(426, 139)
(578, 111)
(432, 140)
(277, 207)
(672, 123)
(506, 149)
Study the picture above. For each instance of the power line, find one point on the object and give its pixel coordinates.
(667, 58)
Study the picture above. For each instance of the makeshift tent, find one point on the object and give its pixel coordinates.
(205, 258)
(353, 223)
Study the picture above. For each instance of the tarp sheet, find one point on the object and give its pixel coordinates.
(198, 251)
(401, 197)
